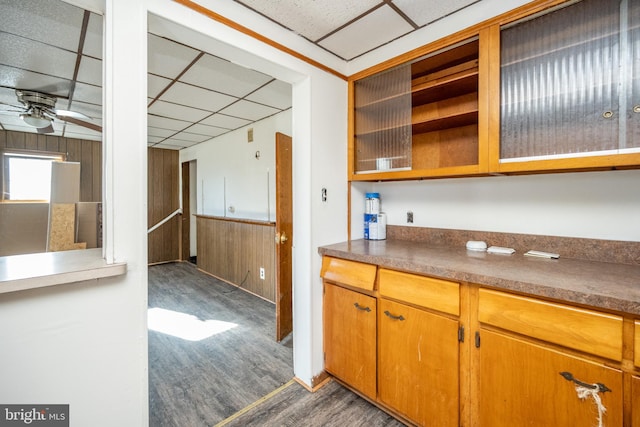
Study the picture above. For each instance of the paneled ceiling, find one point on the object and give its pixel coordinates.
(56, 48)
(351, 28)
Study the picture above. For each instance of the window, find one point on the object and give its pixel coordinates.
(27, 175)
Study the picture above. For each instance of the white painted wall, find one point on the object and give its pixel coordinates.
(231, 182)
(85, 344)
(597, 205)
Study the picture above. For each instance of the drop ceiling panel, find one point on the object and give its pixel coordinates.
(277, 94)
(224, 121)
(88, 93)
(35, 56)
(153, 139)
(8, 97)
(90, 71)
(249, 110)
(184, 94)
(312, 19)
(166, 123)
(423, 12)
(156, 84)
(167, 58)
(159, 132)
(210, 131)
(93, 39)
(38, 20)
(175, 111)
(168, 146)
(224, 77)
(178, 142)
(190, 137)
(369, 32)
(21, 79)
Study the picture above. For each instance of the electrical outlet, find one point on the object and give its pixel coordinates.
(409, 217)
(262, 273)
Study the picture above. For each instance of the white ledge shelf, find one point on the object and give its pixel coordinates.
(21, 272)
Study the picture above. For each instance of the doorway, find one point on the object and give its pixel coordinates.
(189, 208)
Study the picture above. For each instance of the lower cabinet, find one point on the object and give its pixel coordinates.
(522, 383)
(418, 364)
(398, 339)
(350, 337)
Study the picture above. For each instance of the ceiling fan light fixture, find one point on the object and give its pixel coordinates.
(36, 120)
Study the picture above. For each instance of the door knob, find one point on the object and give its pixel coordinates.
(281, 238)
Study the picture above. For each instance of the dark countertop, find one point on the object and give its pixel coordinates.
(596, 284)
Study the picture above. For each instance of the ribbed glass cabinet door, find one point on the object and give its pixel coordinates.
(569, 82)
(383, 121)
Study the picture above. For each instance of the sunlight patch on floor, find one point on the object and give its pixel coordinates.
(183, 325)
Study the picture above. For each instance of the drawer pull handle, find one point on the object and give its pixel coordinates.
(601, 388)
(392, 316)
(359, 307)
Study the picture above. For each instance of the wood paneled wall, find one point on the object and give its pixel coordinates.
(88, 153)
(163, 199)
(234, 250)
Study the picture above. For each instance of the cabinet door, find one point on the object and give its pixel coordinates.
(567, 90)
(521, 384)
(418, 364)
(350, 337)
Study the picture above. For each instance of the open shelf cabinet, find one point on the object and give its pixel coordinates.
(420, 118)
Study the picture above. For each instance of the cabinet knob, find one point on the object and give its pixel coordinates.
(636, 108)
(607, 114)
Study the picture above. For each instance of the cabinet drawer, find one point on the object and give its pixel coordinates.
(584, 330)
(351, 273)
(426, 292)
(636, 351)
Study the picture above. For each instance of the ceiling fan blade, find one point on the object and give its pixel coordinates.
(48, 129)
(82, 123)
(61, 114)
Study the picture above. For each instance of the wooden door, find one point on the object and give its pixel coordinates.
(350, 337)
(186, 213)
(418, 364)
(635, 401)
(284, 236)
(521, 385)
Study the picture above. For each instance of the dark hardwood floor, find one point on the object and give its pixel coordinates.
(217, 359)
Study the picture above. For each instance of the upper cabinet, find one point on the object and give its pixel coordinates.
(570, 88)
(538, 89)
(419, 118)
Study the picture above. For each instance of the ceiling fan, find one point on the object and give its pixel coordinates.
(39, 111)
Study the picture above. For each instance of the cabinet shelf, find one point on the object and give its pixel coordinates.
(446, 122)
(445, 114)
(444, 84)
